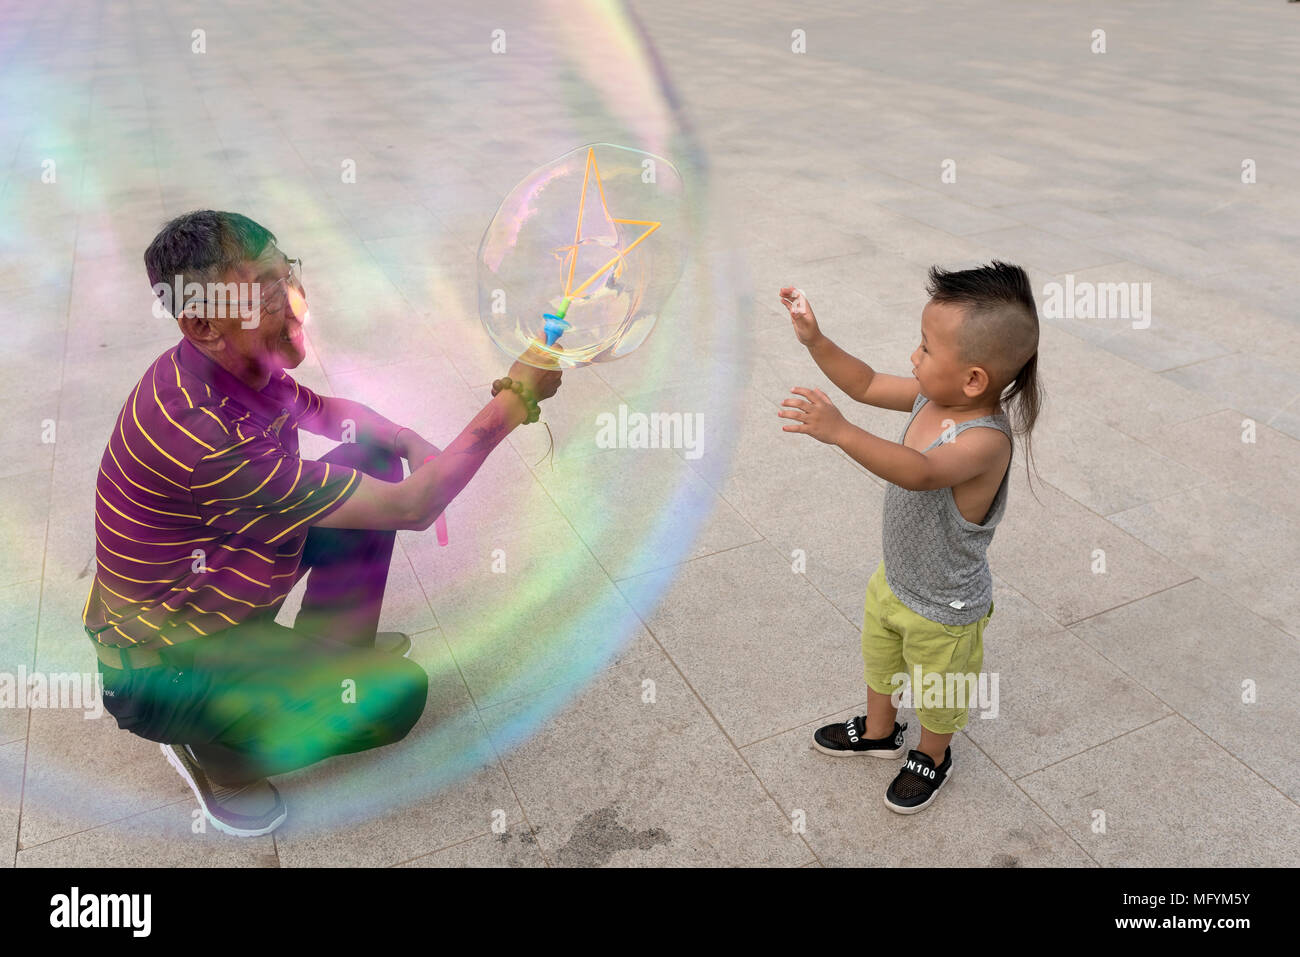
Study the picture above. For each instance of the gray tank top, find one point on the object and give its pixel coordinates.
(934, 559)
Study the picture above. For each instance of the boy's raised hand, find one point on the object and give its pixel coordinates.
(801, 315)
(815, 414)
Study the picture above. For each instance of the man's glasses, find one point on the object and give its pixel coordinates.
(274, 297)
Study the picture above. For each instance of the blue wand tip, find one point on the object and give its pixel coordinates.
(554, 327)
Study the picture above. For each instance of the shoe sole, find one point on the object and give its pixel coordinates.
(221, 826)
(920, 807)
(897, 752)
(410, 646)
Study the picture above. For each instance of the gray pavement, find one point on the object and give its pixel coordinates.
(1147, 603)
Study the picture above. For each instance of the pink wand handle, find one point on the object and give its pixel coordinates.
(439, 523)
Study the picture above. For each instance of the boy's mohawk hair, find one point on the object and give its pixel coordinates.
(984, 287)
(998, 332)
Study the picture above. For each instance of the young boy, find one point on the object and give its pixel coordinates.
(932, 594)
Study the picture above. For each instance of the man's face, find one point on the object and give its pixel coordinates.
(274, 340)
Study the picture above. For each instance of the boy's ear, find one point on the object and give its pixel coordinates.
(977, 380)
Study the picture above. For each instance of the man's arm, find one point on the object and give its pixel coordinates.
(415, 502)
(972, 453)
(367, 425)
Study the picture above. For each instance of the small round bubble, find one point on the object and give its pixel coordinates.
(582, 256)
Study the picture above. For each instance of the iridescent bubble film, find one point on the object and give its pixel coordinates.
(383, 153)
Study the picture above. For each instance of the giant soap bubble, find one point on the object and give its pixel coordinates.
(591, 552)
(582, 254)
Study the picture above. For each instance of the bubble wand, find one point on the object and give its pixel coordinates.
(554, 324)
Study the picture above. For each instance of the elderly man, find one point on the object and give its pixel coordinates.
(206, 516)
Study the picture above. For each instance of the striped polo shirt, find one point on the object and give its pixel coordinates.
(202, 503)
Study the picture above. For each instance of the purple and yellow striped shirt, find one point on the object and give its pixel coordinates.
(202, 504)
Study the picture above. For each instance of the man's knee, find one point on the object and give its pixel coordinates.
(412, 696)
(405, 692)
(374, 460)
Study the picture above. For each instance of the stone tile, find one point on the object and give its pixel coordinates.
(620, 780)
(24, 501)
(1054, 254)
(18, 615)
(27, 433)
(1135, 401)
(514, 847)
(1288, 420)
(1045, 547)
(1181, 328)
(1193, 527)
(83, 773)
(1040, 716)
(1171, 798)
(1248, 384)
(1198, 650)
(1165, 253)
(173, 836)
(35, 321)
(741, 428)
(12, 756)
(550, 618)
(1267, 470)
(642, 509)
(952, 216)
(1060, 219)
(1068, 442)
(834, 534)
(346, 343)
(980, 817)
(826, 482)
(810, 661)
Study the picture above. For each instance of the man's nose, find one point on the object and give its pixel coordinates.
(297, 304)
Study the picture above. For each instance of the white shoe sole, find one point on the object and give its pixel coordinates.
(898, 752)
(920, 807)
(198, 795)
(410, 646)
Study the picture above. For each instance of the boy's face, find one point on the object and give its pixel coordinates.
(944, 378)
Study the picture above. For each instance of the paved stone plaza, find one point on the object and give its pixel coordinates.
(1147, 625)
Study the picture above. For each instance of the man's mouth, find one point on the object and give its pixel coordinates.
(292, 336)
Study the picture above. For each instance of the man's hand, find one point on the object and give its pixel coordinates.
(543, 383)
(801, 315)
(414, 449)
(815, 414)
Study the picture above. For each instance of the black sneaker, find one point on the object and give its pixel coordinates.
(918, 782)
(847, 738)
(249, 811)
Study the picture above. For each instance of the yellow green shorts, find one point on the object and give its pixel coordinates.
(895, 640)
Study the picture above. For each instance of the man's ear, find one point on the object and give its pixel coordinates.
(196, 327)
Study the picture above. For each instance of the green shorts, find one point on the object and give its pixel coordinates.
(895, 640)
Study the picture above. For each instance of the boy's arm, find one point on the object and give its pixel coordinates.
(859, 381)
(974, 452)
(850, 374)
